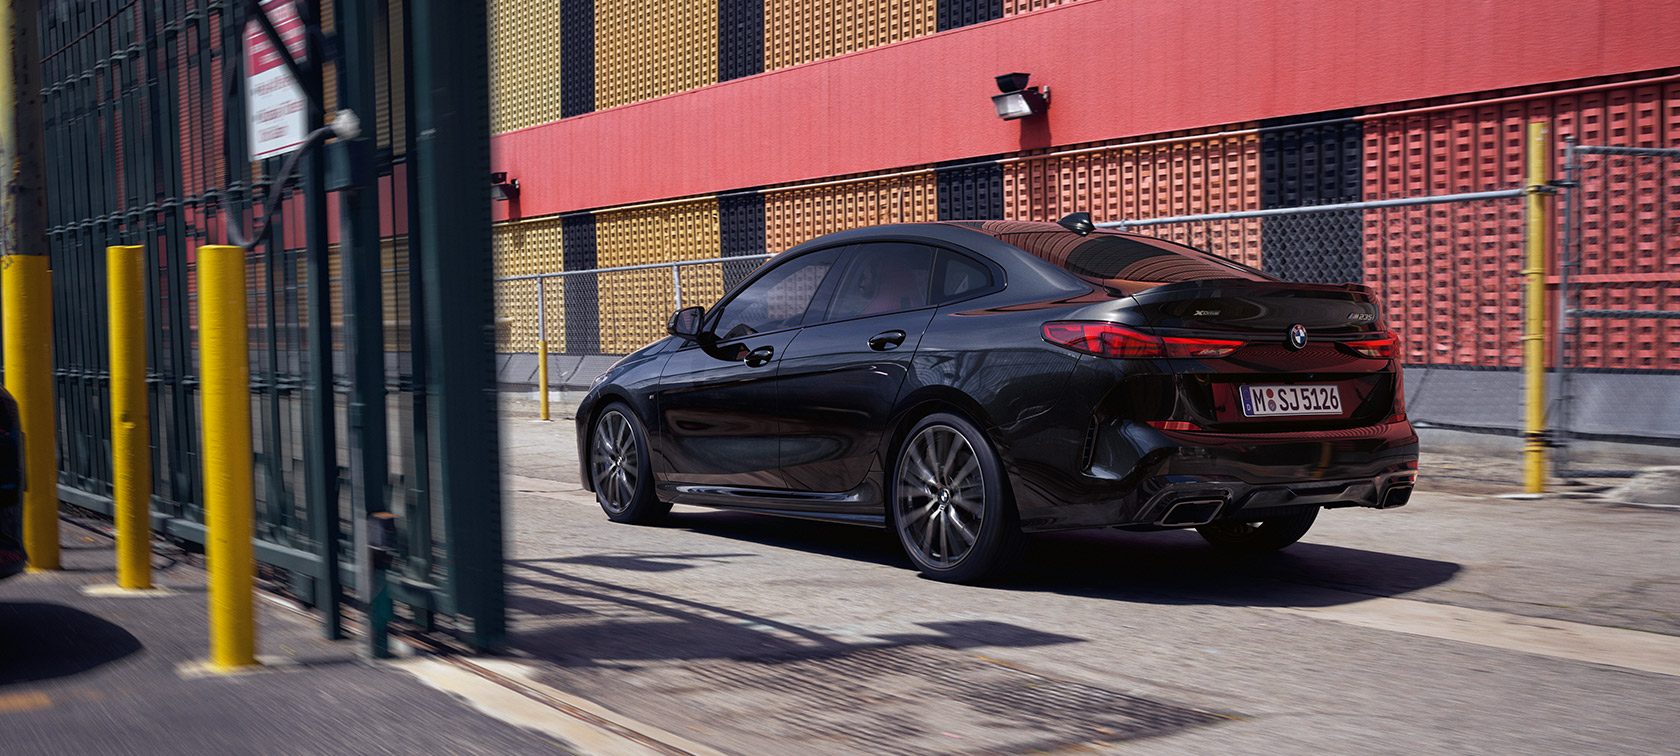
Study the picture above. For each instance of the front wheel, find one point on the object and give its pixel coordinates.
(619, 468)
(1261, 537)
(950, 503)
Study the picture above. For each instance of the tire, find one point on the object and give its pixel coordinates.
(949, 502)
(620, 470)
(1259, 537)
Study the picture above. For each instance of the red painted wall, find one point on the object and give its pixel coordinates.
(1115, 68)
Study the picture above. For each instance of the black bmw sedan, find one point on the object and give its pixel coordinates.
(963, 383)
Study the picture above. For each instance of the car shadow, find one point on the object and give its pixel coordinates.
(41, 641)
(1168, 567)
(572, 621)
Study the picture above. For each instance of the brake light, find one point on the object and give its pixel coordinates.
(1383, 347)
(1113, 340)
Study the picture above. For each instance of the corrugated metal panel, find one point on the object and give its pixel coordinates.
(955, 14)
(740, 38)
(634, 303)
(1220, 174)
(1015, 7)
(1313, 164)
(971, 191)
(577, 57)
(526, 40)
(519, 249)
(800, 31)
(649, 48)
(741, 232)
(796, 216)
(580, 309)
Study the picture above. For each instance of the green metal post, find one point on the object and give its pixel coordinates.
(321, 441)
(451, 88)
(363, 311)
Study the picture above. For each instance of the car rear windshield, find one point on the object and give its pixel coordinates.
(1112, 257)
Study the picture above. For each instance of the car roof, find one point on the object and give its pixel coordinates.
(1114, 258)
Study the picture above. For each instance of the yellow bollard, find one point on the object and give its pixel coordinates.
(542, 376)
(228, 502)
(131, 453)
(1534, 314)
(27, 286)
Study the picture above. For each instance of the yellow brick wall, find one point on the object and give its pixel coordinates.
(799, 215)
(524, 63)
(800, 31)
(519, 249)
(633, 304)
(650, 48)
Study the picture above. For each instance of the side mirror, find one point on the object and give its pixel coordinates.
(686, 322)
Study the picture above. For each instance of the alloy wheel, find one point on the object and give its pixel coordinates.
(940, 501)
(613, 462)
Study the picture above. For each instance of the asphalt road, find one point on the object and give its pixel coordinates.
(1463, 623)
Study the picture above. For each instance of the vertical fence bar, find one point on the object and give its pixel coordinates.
(363, 316)
(1534, 326)
(320, 447)
(542, 347)
(451, 64)
(224, 350)
(131, 434)
(676, 285)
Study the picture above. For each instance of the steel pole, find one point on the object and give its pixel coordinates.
(26, 283)
(542, 349)
(1534, 313)
(224, 350)
(131, 435)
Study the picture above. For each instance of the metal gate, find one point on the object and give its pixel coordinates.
(1619, 288)
(370, 390)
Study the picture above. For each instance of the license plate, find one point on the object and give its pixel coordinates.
(1299, 399)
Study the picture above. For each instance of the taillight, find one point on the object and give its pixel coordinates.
(1173, 425)
(1382, 347)
(1112, 340)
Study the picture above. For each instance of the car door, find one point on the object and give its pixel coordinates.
(842, 373)
(717, 402)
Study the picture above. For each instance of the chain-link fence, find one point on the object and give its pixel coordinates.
(589, 317)
(1446, 268)
(1618, 344)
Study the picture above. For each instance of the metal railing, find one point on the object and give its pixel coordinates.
(601, 325)
(1618, 248)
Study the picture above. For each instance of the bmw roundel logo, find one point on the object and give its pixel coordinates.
(1297, 336)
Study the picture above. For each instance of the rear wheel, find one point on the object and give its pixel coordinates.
(1259, 537)
(619, 468)
(950, 504)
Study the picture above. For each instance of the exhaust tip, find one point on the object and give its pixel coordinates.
(1190, 512)
(1396, 496)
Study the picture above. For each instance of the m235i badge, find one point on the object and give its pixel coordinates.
(1361, 317)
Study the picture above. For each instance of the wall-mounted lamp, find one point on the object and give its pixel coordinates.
(1019, 100)
(501, 188)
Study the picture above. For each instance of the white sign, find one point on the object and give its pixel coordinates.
(274, 102)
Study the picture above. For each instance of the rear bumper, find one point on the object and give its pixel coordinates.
(1140, 476)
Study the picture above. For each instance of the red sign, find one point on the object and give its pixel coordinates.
(275, 104)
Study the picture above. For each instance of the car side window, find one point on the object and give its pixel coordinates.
(883, 277)
(957, 276)
(776, 300)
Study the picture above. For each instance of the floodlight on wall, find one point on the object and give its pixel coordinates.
(501, 188)
(1019, 100)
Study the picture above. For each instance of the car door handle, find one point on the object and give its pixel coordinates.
(881, 342)
(759, 356)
